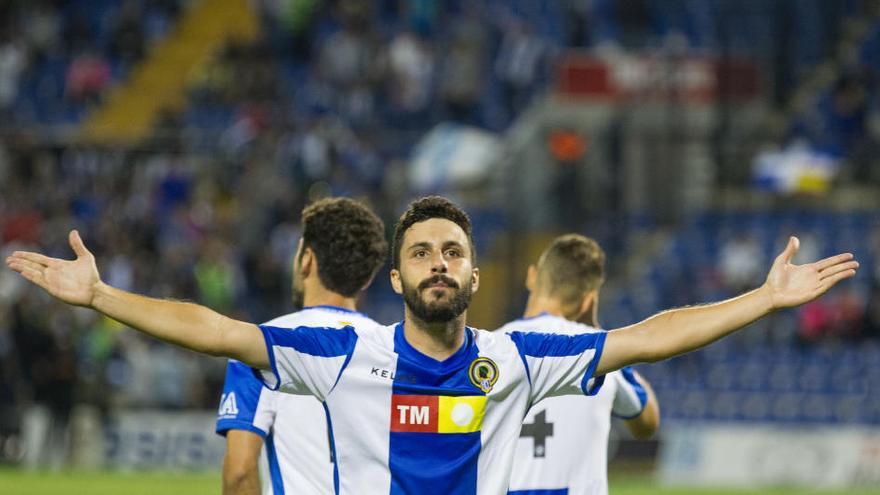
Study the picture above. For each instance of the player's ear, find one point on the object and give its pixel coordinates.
(588, 303)
(369, 282)
(308, 262)
(396, 284)
(475, 279)
(531, 277)
(295, 262)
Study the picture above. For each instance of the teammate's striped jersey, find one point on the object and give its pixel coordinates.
(563, 445)
(404, 423)
(296, 456)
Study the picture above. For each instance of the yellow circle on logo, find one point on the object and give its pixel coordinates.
(483, 373)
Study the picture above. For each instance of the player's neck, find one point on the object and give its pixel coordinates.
(318, 295)
(538, 305)
(436, 340)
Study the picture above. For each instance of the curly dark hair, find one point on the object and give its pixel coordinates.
(348, 240)
(425, 209)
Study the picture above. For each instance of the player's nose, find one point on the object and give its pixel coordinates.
(439, 265)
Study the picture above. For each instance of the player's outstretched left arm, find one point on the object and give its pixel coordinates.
(188, 325)
(683, 330)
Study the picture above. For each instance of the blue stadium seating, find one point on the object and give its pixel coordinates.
(749, 376)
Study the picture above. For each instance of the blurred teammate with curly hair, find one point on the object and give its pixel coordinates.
(281, 441)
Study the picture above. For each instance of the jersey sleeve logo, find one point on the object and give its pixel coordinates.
(483, 373)
(437, 414)
(228, 406)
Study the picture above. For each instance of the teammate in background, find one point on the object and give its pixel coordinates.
(342, 247)
(563, 445)
(429, 406)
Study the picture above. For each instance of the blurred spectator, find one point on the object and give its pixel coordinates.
(170, 377)
(216, 276)
(87, 77)
(349, 61)
(170, 8)
(810, 249)
(254, 75)
(127, 37)
(44, 341)
(871, 321)
(43, 28)
(78, 34)
(411, 67)
(837, 124)
(262, 271)
(633, 21)
(421, 15)
(518, 65)
(578, 23)
(120, 272)
(567, 147)
(159, 16)
(345, 58)
(12, 63)
(252, 120)
(849, 313)
(741, 263)
(9, 374)
(22, 224)
(463, 70)
(846, 116)
(314, 152)
(840, 316)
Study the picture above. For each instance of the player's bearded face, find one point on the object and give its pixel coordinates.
(436, 276)
(432, 303)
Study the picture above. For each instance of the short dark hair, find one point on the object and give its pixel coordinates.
(570, 267)
(425, 209)
(348, 240)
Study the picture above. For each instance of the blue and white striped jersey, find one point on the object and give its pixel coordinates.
(563, 445)
(404, 423)
(296, 457)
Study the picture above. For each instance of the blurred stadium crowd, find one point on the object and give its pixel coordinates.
(331, 100)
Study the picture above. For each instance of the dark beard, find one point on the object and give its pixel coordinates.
(437, 312)
(297, 298)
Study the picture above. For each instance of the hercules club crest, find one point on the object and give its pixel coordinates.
(483, 373)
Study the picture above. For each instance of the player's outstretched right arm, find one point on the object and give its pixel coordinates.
(188, 325)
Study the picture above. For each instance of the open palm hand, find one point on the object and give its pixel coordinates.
(792, 285)
(72, 281)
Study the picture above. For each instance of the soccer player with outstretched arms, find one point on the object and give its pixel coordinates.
(563, 445)
(429, 405)
(281, 441)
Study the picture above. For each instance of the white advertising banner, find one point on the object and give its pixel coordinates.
(762, 455)
(163, 440)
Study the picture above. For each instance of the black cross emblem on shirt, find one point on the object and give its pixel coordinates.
(540, 430)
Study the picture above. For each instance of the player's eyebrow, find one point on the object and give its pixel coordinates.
(420, 245)
(449, 244)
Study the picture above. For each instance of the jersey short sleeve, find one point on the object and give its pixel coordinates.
(245, 403)
(631, 396)
(307, 360)
(560, 364)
